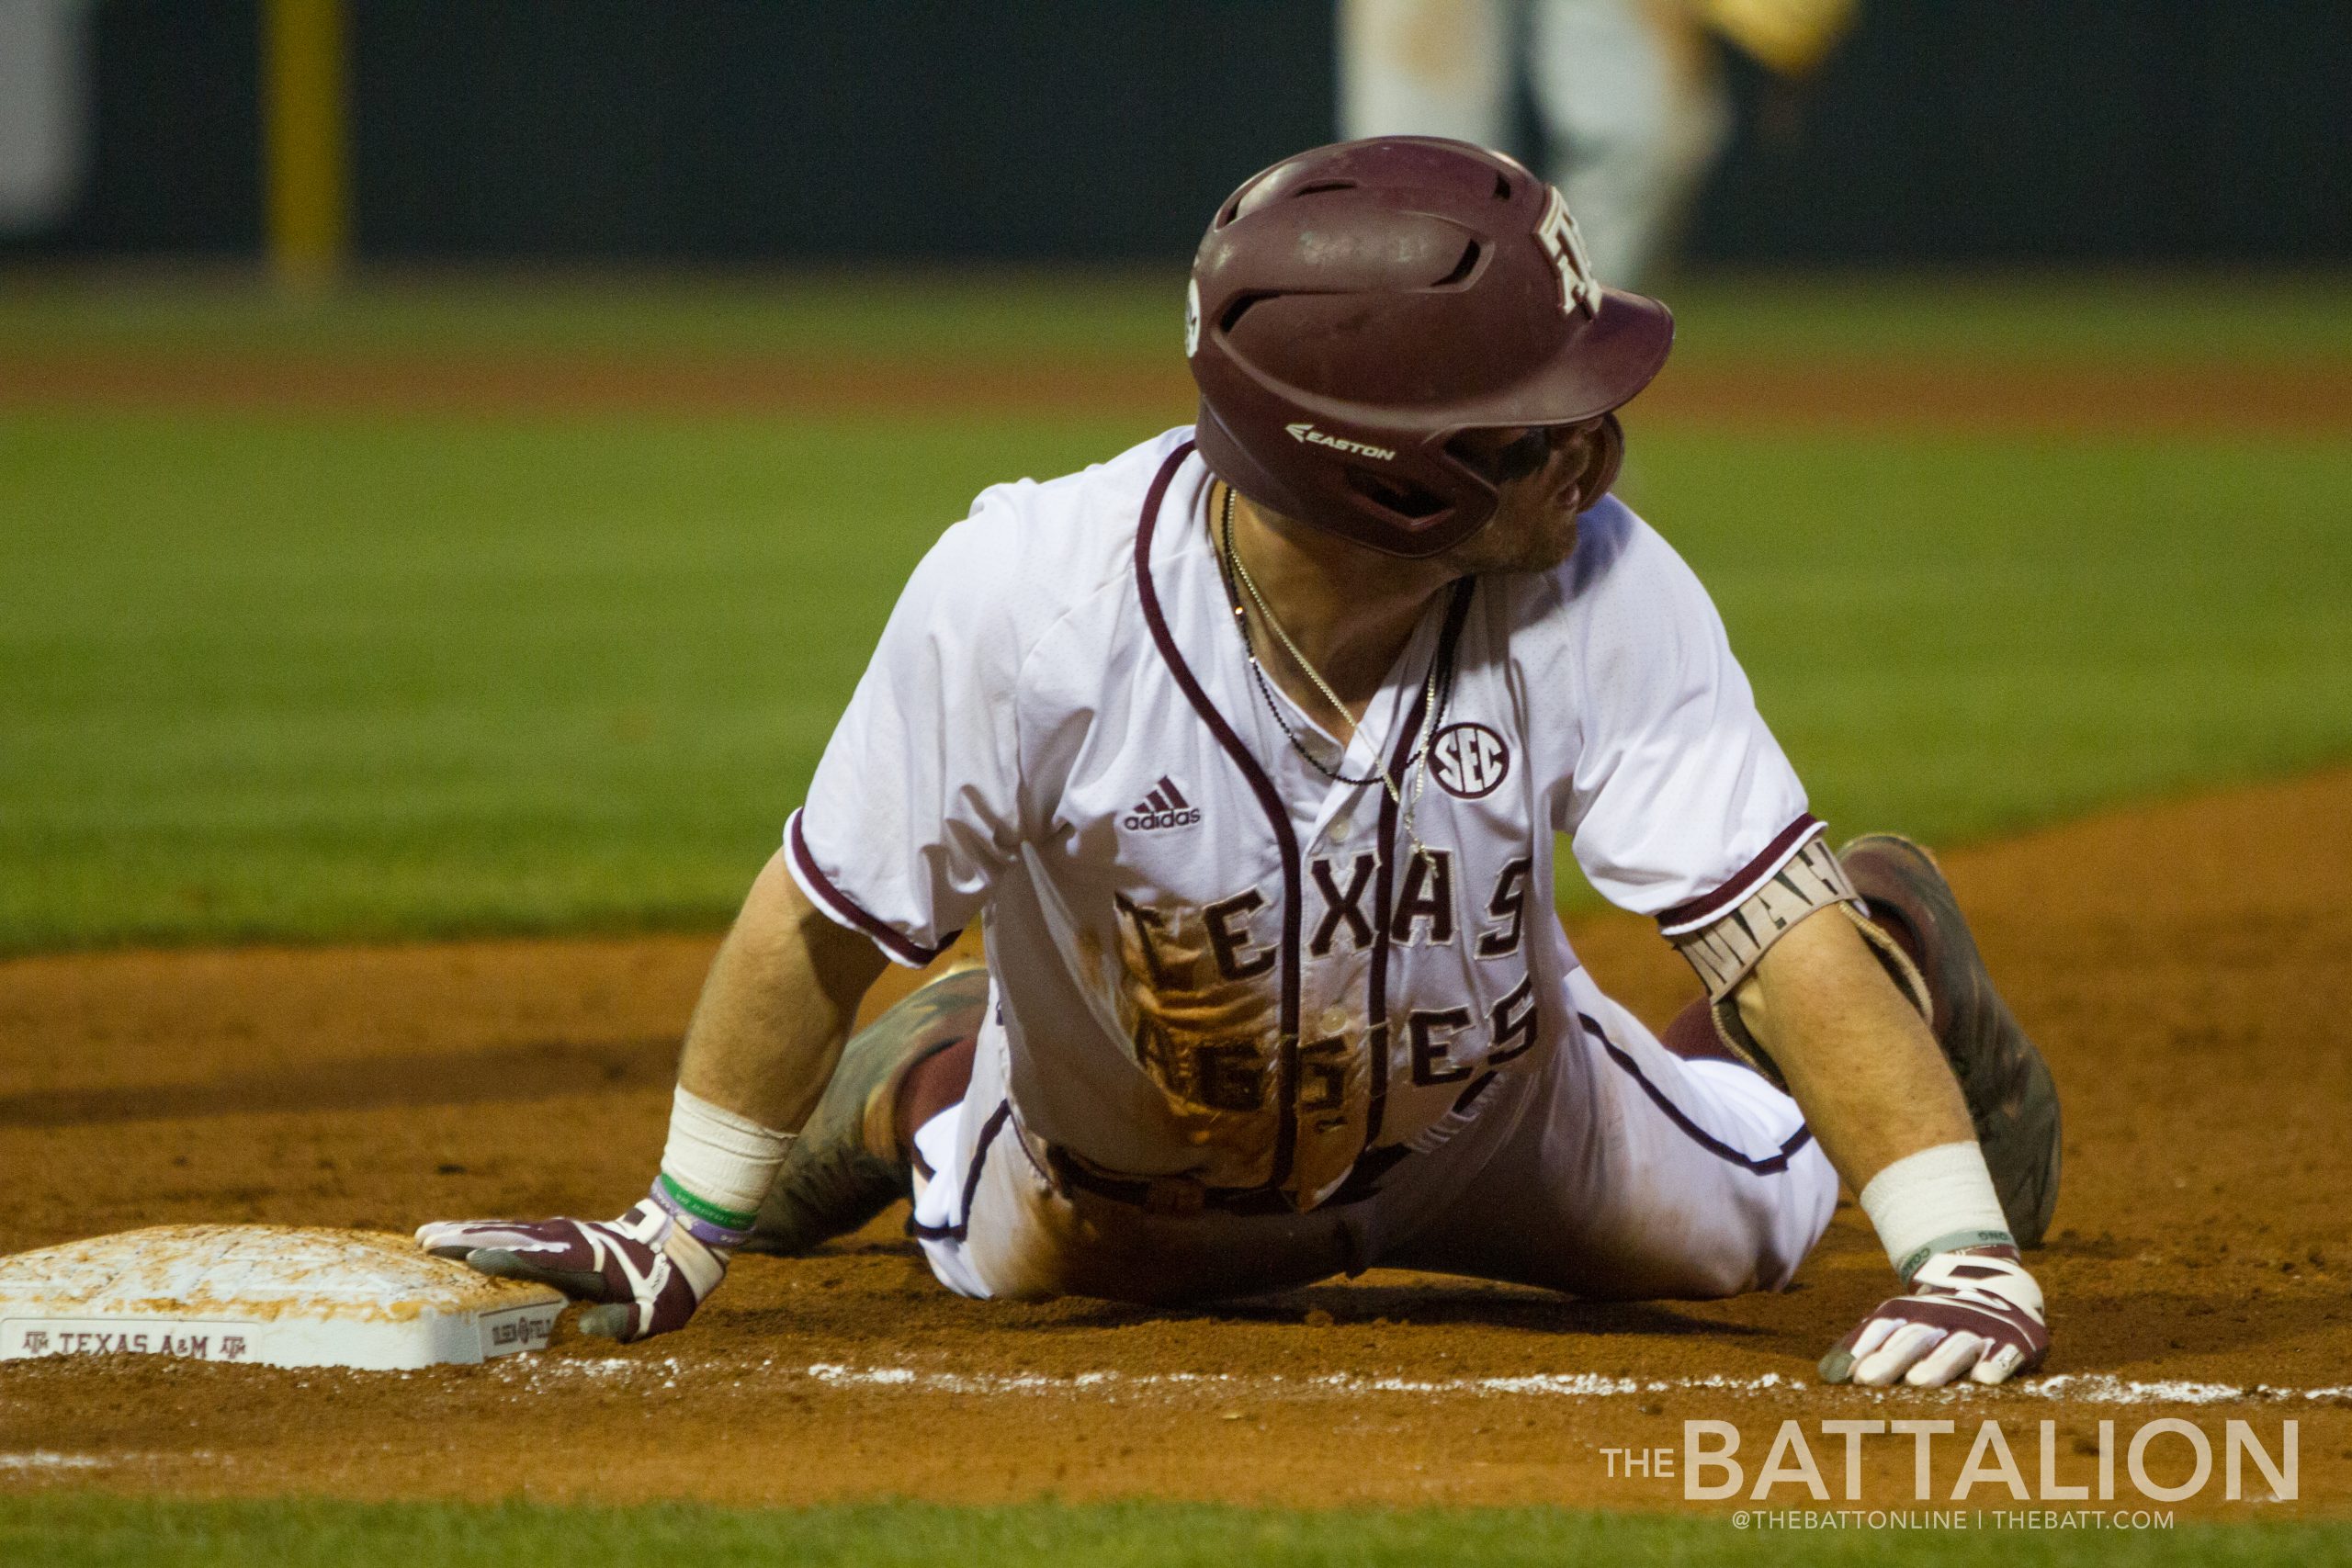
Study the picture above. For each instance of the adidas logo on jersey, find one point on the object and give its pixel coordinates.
(1165, 806)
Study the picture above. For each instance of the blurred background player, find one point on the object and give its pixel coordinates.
(45, 132)
(1631, 94)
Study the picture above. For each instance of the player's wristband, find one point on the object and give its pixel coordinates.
(1939, 1200)
(725, 1229)
(716, 1169)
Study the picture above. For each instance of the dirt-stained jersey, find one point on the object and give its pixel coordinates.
(1210, 959)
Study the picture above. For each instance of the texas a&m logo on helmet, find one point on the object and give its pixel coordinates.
(1557, 231)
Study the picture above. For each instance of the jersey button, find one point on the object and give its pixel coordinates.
(1339, 827)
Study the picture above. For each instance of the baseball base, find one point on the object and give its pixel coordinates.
(280, 1295)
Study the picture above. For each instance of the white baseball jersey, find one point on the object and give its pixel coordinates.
(1211, 960)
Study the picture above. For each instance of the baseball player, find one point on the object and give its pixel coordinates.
(1631, 93)
(1250, 745)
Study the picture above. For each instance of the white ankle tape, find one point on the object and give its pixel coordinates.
(725, 1160)
(1939, 1200)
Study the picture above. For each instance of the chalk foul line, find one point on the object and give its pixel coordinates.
(671, 1371)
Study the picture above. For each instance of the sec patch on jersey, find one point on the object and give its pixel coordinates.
(1469, 760)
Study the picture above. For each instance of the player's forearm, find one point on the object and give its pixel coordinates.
(779, 1001)
(765, 1038)
(1858, 1059)
(1881, 1099)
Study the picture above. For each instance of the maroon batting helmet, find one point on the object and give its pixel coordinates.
(1356, 308)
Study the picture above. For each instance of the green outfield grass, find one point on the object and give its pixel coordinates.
(1964, 637)
(89, 1531)
(344, 675)
(356, 677)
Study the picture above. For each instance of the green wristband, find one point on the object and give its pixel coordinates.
(705, 1210)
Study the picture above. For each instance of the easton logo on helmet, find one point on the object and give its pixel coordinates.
(1314, 438)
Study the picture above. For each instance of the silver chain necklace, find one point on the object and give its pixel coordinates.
(1418, 763)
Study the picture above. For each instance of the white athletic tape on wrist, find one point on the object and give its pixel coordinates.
(1939, 1200)
(726, 1161)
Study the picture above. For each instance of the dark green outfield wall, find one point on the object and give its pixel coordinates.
(1943, 130)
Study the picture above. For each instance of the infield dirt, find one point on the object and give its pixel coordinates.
(2184, 966)
(1876, 392)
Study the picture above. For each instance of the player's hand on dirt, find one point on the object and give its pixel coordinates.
(1974, 1312)
(645, 1273)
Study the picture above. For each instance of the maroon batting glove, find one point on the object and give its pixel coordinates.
(645, 1272)
(1975, 1311)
